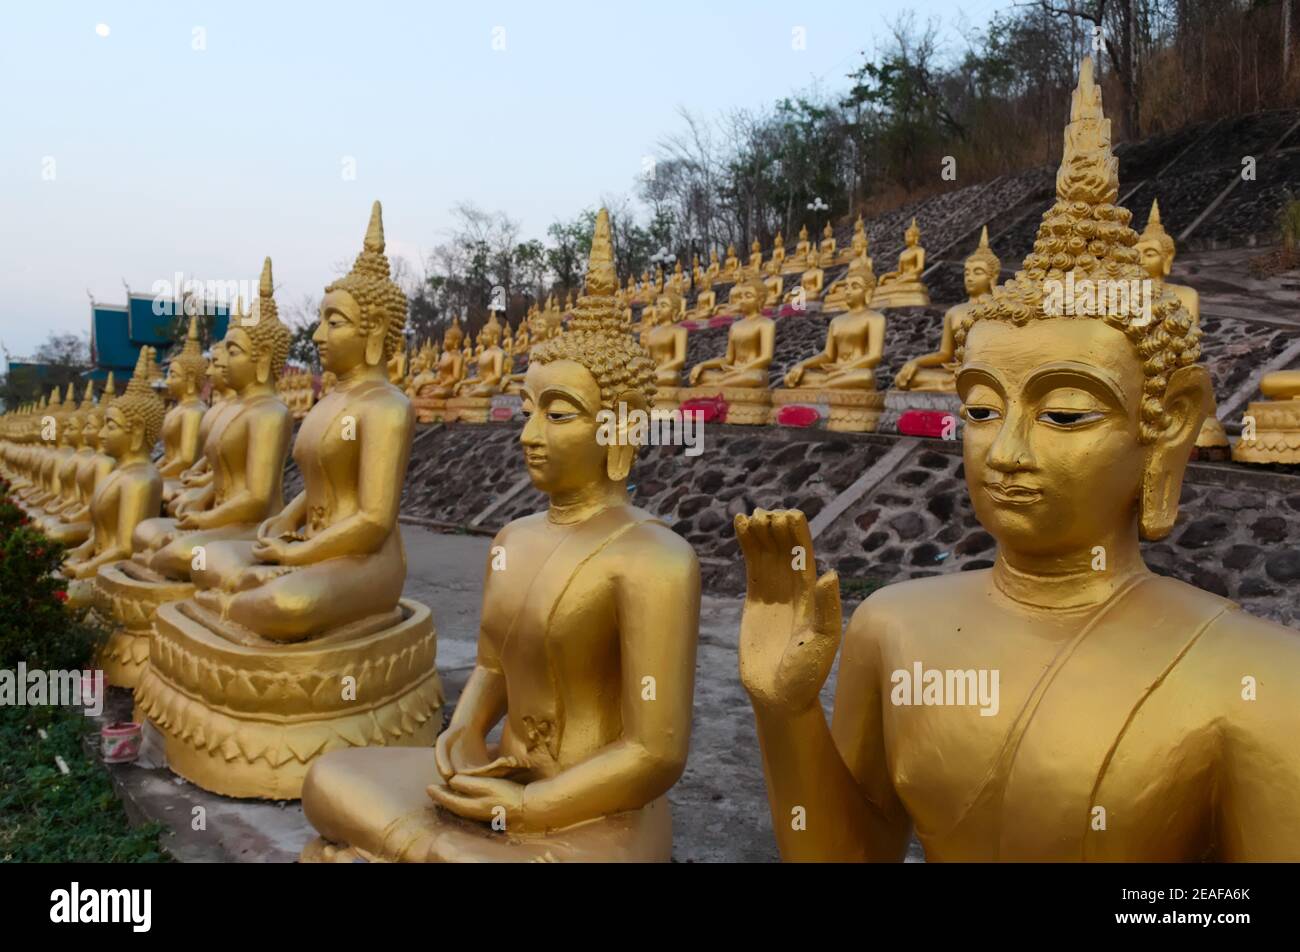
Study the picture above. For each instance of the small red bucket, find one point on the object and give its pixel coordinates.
(120, 743)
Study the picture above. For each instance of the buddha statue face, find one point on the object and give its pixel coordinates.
(72, 429)
(1155, 259)
(340, 338)
(749, 297)
(664, 310)
(911, 236)
(561, 400)
(241, 365)
(1054, 456)
(90, 429)
(117, 436)
(978, 279)
(857, 290)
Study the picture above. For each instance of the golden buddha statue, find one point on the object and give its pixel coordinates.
(778, 252)
(420, 373)
(665, 341)
(58, 450)
(802, 251)
(473, 398)
(45, 455)
(246, 442)
(397, 366)
(903, 288)
(730, 266)
(755, 264)
(677, 283)
(1272, 428)
(131, 492)
(299, 641)
(699, 279)
(1112, 713)
(740, 376)
(773, 282)
(180, 431)
(841, 379)
(1156, 250)
(522, 341)
(706, 303)
(199, 474)
(713, 273)
(431, 398)
(827, 245)
(69, 523)
(810, 282)
(937, 371)
(67, 443)
(584, 762)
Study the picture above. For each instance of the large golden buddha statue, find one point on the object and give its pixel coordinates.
(842, 377)
(903, 288)
(245, 444)
(1271, 433)
(1067, 704)
(586, 649)
(937, 371)
(131, 492)
(740, 376)
(1156, 251)
(298, 641)
(180, 432)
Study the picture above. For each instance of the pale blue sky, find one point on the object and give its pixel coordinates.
(166, 157)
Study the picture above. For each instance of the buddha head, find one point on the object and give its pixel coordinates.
(803, 232)
(490, 335)
(859, 283)
(67, 416)
(731, 251)
(713, 256)
(81, 419)
(667, 306)
(363, 314)
(912, 235)
(779, 242)
(186, 370)
(829, 232)
(982, 268)
(133, 421)
(749, 296)
(451, 340)
(1155, 247)
(755, 248)
(94, 420)
(256, 344)
(1078, 428)
(594, 365)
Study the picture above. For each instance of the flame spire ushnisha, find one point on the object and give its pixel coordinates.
(599, 335)
(1086, 235)
(370, 283)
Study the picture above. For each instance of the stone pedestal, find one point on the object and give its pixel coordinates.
(245, 717)
(898, 402)
(907, 295)
(128, 596)
(467, 410)
(429, 409)
(666, 399)
(746, 406)
(1212, 442)
(1277, 433)
(845, 411)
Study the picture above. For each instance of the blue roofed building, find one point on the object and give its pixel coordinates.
(117, 332)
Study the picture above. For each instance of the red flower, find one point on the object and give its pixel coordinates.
(61, 595)
(797, 415)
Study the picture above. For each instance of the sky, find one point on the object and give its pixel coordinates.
(140, 139)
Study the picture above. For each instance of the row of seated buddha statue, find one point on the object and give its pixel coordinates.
(256, 634)
(1120, 690)
(297, 388)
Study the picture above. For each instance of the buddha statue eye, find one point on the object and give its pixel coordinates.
(980, 414)
(1069, 418)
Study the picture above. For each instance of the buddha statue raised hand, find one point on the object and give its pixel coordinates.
(1067, 704)
(935, 372)
(597, 611)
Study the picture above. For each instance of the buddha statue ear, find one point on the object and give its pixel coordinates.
(375, 344)
(629, 431)
(1188, 396)
(263, 365)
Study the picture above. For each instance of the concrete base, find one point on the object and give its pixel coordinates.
(468, 410)
(429, 409)
(1277, 433)
(247, 717)
(907, 296)
(667, 399)
(898, 402)
(746, 406)
(844, 411)
(130, 603)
